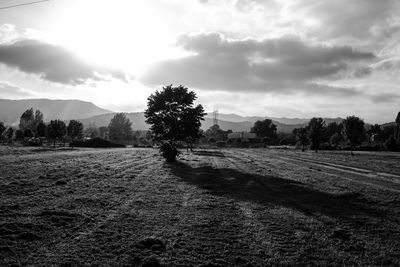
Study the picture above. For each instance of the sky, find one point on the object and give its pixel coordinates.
(279, 58)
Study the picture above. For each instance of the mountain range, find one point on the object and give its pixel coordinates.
(88, 113)
(11, 110)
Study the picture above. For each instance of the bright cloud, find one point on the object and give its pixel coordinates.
(287, 64)
(285, 57)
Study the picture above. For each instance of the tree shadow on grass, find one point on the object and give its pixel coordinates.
(267, 190)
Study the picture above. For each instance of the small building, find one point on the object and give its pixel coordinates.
(242, 136)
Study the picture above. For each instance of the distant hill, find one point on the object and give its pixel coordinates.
(11, 110)
(138, 123)
(238, 118)
(283, 120)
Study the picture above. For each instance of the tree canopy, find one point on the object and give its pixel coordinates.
(316, 128)
(120, 128)
(215, 133)
(75, 129)
(41, 130)
(301, 136)
(2, 128)
(56, 129)
(91, 131)
(264, 128)
(30, 119)
(172, 115)
(353, 129)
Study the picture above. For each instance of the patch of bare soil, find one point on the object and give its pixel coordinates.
(230, 207)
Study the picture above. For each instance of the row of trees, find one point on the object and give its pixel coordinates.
(352, 130)
(350, 133)
(33, 130)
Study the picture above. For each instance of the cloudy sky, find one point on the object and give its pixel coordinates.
(292, 58)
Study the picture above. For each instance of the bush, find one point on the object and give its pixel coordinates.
(169, 152)
(220, 143)
(95, 143)
(33, 142)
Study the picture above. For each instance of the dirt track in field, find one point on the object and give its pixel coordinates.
(230, 207)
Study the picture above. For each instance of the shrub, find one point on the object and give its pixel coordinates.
(34, 142)
(220, 143)
(169, 152)
(95, 143)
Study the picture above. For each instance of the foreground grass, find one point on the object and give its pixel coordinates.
(218, 207)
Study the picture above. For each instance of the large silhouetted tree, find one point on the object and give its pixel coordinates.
(120, 128)
(173, 118)
(56, 129)
(264, 129)
(353, 131)
(316, 128)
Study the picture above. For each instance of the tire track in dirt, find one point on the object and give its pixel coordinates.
(390, 177)
(375, 179)
(354, 225)
(357, 177)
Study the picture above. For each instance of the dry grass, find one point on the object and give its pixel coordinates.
(226, 207)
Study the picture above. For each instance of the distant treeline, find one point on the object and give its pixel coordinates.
(33, 131)
(350, 134)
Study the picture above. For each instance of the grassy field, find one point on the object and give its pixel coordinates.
(227, 207)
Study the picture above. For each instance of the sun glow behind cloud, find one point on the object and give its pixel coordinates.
(124, 34)
(335, 53)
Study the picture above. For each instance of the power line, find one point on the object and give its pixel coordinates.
(24, 4)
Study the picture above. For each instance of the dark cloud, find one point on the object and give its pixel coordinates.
(52, 63)
(362, 72)
(286, 64)
(9, 90)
